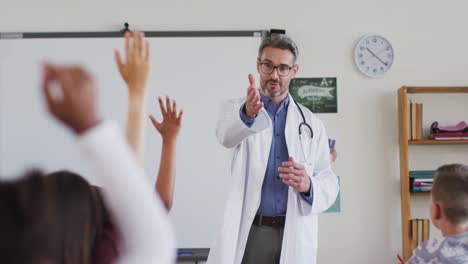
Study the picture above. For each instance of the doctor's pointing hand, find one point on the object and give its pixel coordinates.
(253, 105)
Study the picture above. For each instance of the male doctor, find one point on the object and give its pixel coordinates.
(281, 180)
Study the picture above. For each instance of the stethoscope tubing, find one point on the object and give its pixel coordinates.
(304, 122)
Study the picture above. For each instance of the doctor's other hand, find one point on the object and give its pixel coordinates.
(69, 93)
(253, 105)
(135, 70)
(294, 174)
(172, 120)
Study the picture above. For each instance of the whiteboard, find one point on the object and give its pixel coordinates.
(199, 72)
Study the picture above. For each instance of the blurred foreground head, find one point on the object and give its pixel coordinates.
(49, 219)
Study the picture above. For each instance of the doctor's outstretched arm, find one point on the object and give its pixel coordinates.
(241, 118)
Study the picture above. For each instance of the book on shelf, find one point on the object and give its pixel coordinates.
(421, 188)
(410, 134)
(413, 121)
(414, 230)
(421, 180)
(421, 173)
(426, 229)
(415, 117)
(449, 136)
(419, 109)
(422, 183)
(419, 230)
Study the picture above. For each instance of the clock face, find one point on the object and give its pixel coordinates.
(373, 55)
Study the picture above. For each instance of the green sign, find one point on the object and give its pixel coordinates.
(317, 94)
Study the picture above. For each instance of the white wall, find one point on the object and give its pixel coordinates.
(429, 38)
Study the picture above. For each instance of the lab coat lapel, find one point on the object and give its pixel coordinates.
(291, 130)
(290, 228)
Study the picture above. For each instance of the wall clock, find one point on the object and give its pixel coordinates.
(374, 55)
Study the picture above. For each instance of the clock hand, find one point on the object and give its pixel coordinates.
(384, 63)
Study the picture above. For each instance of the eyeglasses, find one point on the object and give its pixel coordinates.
(282, 69)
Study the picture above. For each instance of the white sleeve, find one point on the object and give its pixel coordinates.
(325, 186)
(138, 213)
(231, 130)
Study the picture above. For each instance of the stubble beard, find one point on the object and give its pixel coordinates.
(280, 93)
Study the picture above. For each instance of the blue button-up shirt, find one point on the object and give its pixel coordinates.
(274, 192)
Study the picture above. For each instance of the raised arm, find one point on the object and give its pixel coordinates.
(138, 213)
(135, 72)
(168, 128)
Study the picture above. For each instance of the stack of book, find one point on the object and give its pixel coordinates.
(421, 181)
(449, 136)
(458, 131)
(419, 230)
(415, 112)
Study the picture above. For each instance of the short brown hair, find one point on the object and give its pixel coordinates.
(451, 190)
(279, 41)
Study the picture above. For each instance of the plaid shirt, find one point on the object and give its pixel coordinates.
(448, 250)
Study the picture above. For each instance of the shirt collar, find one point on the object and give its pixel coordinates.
(270, 106)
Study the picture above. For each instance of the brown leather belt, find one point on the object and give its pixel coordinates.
(274, 221)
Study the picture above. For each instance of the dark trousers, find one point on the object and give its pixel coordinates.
(263, 245)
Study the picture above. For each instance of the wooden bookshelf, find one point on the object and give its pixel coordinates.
(404, 142)
(437, 142)
(435, 89)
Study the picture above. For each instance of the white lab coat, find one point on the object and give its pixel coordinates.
(249, 161)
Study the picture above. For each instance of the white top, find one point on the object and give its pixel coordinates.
(138, 213)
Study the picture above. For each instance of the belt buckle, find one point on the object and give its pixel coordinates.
(273, 221)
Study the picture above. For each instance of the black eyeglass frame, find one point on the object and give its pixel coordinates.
(261, 63)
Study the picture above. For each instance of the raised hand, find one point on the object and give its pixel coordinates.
(169, 129)
(69, 93)
(170, 125)
(333, 155)
(294, 174)
(253, 105)
(135, 70)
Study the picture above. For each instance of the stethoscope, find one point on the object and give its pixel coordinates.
(304, 123)
(304, 126)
